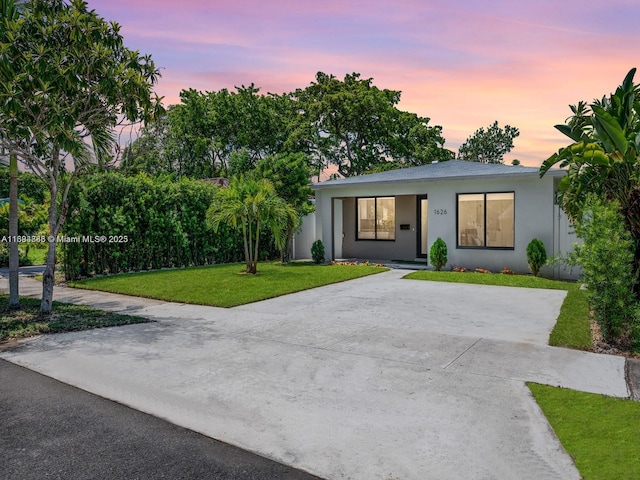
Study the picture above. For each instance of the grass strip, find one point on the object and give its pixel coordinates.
(27, 321)
(572, 327)
(602, 434)
(226, 285)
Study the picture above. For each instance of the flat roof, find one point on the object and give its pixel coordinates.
(449, 170)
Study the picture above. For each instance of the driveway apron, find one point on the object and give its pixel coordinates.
(379, 377)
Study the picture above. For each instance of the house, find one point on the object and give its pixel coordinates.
(486, 213)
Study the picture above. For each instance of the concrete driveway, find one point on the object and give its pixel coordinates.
(375, 378)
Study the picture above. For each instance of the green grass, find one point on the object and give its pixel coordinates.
(602, 434)
(27, 321)
(226, 285)
(38, 256)
(572, 328)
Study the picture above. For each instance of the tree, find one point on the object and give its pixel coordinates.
(66, 77)
(289, 173)
(147, 153)
(249, 205)
(604, 157)
(606, 257)
(490, 145)
(207, 132)
(9, 11)
(356, 126)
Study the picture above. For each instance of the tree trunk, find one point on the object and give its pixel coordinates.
(48, 280)
(247, 249)
(286, 254)
(14, 254)
(50, 268)
(254, 265)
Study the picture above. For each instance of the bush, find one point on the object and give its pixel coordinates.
(536, 256)
(607, 257)
(438, 254)
(317, 251)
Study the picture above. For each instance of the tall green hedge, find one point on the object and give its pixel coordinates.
(163, 221)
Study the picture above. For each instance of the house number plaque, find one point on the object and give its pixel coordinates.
(439, 211)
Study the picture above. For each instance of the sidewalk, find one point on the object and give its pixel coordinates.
(374, 378)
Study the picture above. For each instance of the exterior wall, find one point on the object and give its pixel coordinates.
(304, 238)
(565, 239)
(402, 248)
(324, 222)
(533, 206)
(534, 218)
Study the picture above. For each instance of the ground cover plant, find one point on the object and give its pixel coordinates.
(226, 285)
(572, 328)
(602, 434)
(27, 321)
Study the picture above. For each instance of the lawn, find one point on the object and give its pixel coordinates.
(27, 322)
(226, 285)
(602, 434)
(572, 328)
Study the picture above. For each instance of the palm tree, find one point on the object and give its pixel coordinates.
(249, 205)
(604, 157)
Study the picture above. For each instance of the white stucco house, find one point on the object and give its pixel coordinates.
(486, 213)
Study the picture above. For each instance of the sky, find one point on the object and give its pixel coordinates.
(462, 63)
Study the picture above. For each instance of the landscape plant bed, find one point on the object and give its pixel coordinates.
(226, 285)
(27, 321)
(572, 328)
(602, 434)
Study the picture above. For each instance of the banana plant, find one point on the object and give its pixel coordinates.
(604, 154)
(604, 157)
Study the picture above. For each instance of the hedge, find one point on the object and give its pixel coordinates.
(145, 223)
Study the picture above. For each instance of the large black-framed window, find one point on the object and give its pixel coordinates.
(486, 220)
(376, 218)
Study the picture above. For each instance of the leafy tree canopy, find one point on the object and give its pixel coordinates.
(347, 123)
(354, 125)
(65, 77)
(490, 145)
(209, 132)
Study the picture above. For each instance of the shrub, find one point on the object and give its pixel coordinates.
(438, 254)
(607, 258)
(536, 255)
(317, 251)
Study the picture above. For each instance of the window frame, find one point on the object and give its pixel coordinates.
(375, 215)
(484, 247)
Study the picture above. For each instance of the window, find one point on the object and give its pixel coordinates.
(376, 218)
(486, 220)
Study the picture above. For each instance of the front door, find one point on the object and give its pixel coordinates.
(422, 226)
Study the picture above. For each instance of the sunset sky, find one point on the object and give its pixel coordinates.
(462, 63)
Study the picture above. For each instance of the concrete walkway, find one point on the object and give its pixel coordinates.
(375, 378)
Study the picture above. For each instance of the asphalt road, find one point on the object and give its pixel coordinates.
(54, 431)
